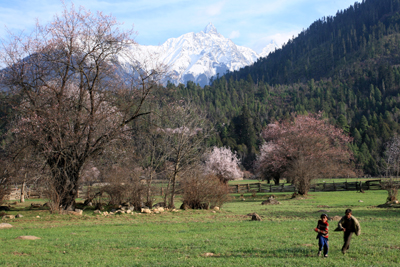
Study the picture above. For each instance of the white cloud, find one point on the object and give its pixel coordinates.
(234, 34)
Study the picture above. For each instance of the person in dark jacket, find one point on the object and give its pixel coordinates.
(322, 229)
(349, 225)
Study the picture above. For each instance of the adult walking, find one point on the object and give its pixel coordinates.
(349, 225)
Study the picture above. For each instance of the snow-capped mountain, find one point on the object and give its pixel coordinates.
(198, 56)
(269, 48)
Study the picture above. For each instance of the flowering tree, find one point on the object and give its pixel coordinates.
(74, 100)
(304, 148)
(266, 167)
(223, 163)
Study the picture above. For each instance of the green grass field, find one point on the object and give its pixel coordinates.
(284, 237)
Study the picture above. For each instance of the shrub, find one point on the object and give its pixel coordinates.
(204, 190)
(124, 186)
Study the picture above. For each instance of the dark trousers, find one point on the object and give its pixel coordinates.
(347, 238)
(323, 243)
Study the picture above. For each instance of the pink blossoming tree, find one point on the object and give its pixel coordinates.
(223, 163)
(304, 148)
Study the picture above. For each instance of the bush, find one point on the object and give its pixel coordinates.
(201, 191)
(124, 186)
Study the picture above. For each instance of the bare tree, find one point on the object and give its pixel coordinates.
(186, 135)
(5, 181)
(392, 155)
(392, 187)
(75, 100)
(151, 148)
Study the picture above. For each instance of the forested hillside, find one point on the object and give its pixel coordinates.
(346, 66)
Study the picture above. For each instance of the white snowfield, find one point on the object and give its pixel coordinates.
(197, 56)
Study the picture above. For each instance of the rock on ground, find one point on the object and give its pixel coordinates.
(28, 237)
(270, 201)
(254, 216)
(5, 225)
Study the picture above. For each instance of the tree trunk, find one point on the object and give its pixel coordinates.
(171, 204)
(149, 201)
(303, 186)
(65, 183)
(22, 199)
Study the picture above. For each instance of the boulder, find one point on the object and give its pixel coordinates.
(270, 201)
(19, 216)
(5, 225)
(254, 216)
(76, 212)
(9, 216)
(97, 212)
(128, 211)
(146, 210)
(28, 237)
(323, 211)
(216, 208)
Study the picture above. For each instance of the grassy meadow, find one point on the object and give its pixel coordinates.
(284, 237)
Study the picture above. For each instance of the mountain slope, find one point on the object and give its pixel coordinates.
(331, 45)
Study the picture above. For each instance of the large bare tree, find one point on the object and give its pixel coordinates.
(75, 99)
(186, 131)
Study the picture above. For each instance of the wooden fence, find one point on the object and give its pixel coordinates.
(319, 187)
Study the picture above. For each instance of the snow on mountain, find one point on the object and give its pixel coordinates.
(197, 56)
(269, 48)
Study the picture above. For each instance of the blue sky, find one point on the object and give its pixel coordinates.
(248, 23)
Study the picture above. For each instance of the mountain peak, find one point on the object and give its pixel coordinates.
(210, 28)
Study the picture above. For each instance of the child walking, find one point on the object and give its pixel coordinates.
(322, 230)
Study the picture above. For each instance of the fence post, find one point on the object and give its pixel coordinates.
(270, 187)
(248, 188)
(283, 185)
(237, 188)
(259, 187)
